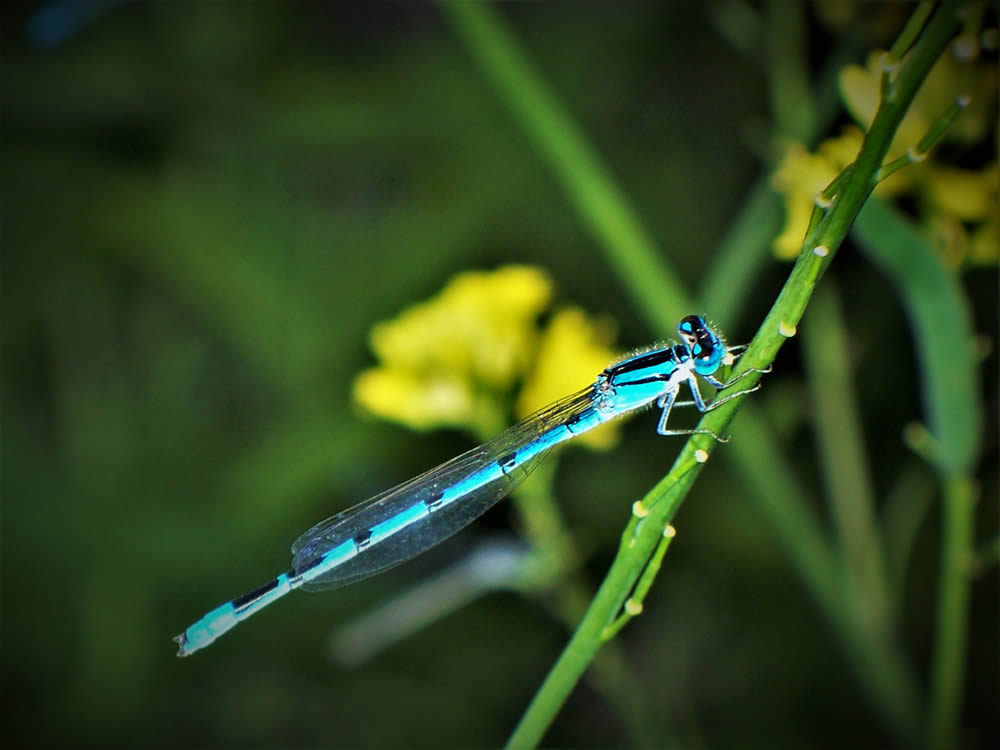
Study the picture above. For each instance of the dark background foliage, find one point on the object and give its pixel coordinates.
(206, 206)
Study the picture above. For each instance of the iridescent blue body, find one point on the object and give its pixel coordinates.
(399, 524)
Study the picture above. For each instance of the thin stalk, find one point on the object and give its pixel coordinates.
(943, 334)
(787, 69)
(826, 352)
(948, 666)
(598, 201)
(894, 697)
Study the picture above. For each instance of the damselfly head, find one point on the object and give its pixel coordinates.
(706, 345)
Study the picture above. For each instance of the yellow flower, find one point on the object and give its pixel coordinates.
(419, 402)
(444, 360)
(860, 87)
(951, 198)
(481, 325)
(962, 194)
(984, 244)
(572, 351)
(800, 176)
(453, 360)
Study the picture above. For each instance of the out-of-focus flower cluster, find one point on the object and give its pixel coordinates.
(456, 359)
(957, 207)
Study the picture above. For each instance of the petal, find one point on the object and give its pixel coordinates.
(572, 351)
(421, 404)
(963, 194)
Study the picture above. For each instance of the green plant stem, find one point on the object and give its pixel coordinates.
(661, 300)
(948, 670)
(912, 29)
(893, 695)
(543, 525)
(826, 352)
(937, 34)
(942, 329)
(557, 560)
(907, 506)
(596, 198)
(939, 315)
(638, 543)
(648, 279)
(745, 248)
(864, 586)
(787, 69)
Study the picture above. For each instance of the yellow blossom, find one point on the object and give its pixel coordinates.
(951, 198)
(482, 325)
(984, 244)
(443, 361)
(453, 360)
(800, 177)
(860, 89)
(965, 195)
(572, 351)
(419, 402)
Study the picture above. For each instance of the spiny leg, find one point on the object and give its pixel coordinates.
(719, 385)
(735, 352)
(692, 382)
(668, 399)
(700, 403)
(666, 402)
(732, 354)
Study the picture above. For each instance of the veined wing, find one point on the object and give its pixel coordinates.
(402, 522)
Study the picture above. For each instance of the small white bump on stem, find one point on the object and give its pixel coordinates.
(887, 64)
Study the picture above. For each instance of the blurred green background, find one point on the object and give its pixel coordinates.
(206, 207)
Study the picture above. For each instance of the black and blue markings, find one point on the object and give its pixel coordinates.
(403, 522)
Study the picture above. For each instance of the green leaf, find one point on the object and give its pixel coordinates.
(942, 330)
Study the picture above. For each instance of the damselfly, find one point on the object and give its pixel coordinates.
(400, 523)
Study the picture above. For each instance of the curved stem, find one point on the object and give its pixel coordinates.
(641, 537)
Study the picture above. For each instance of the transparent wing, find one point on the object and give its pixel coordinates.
(442, 522)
